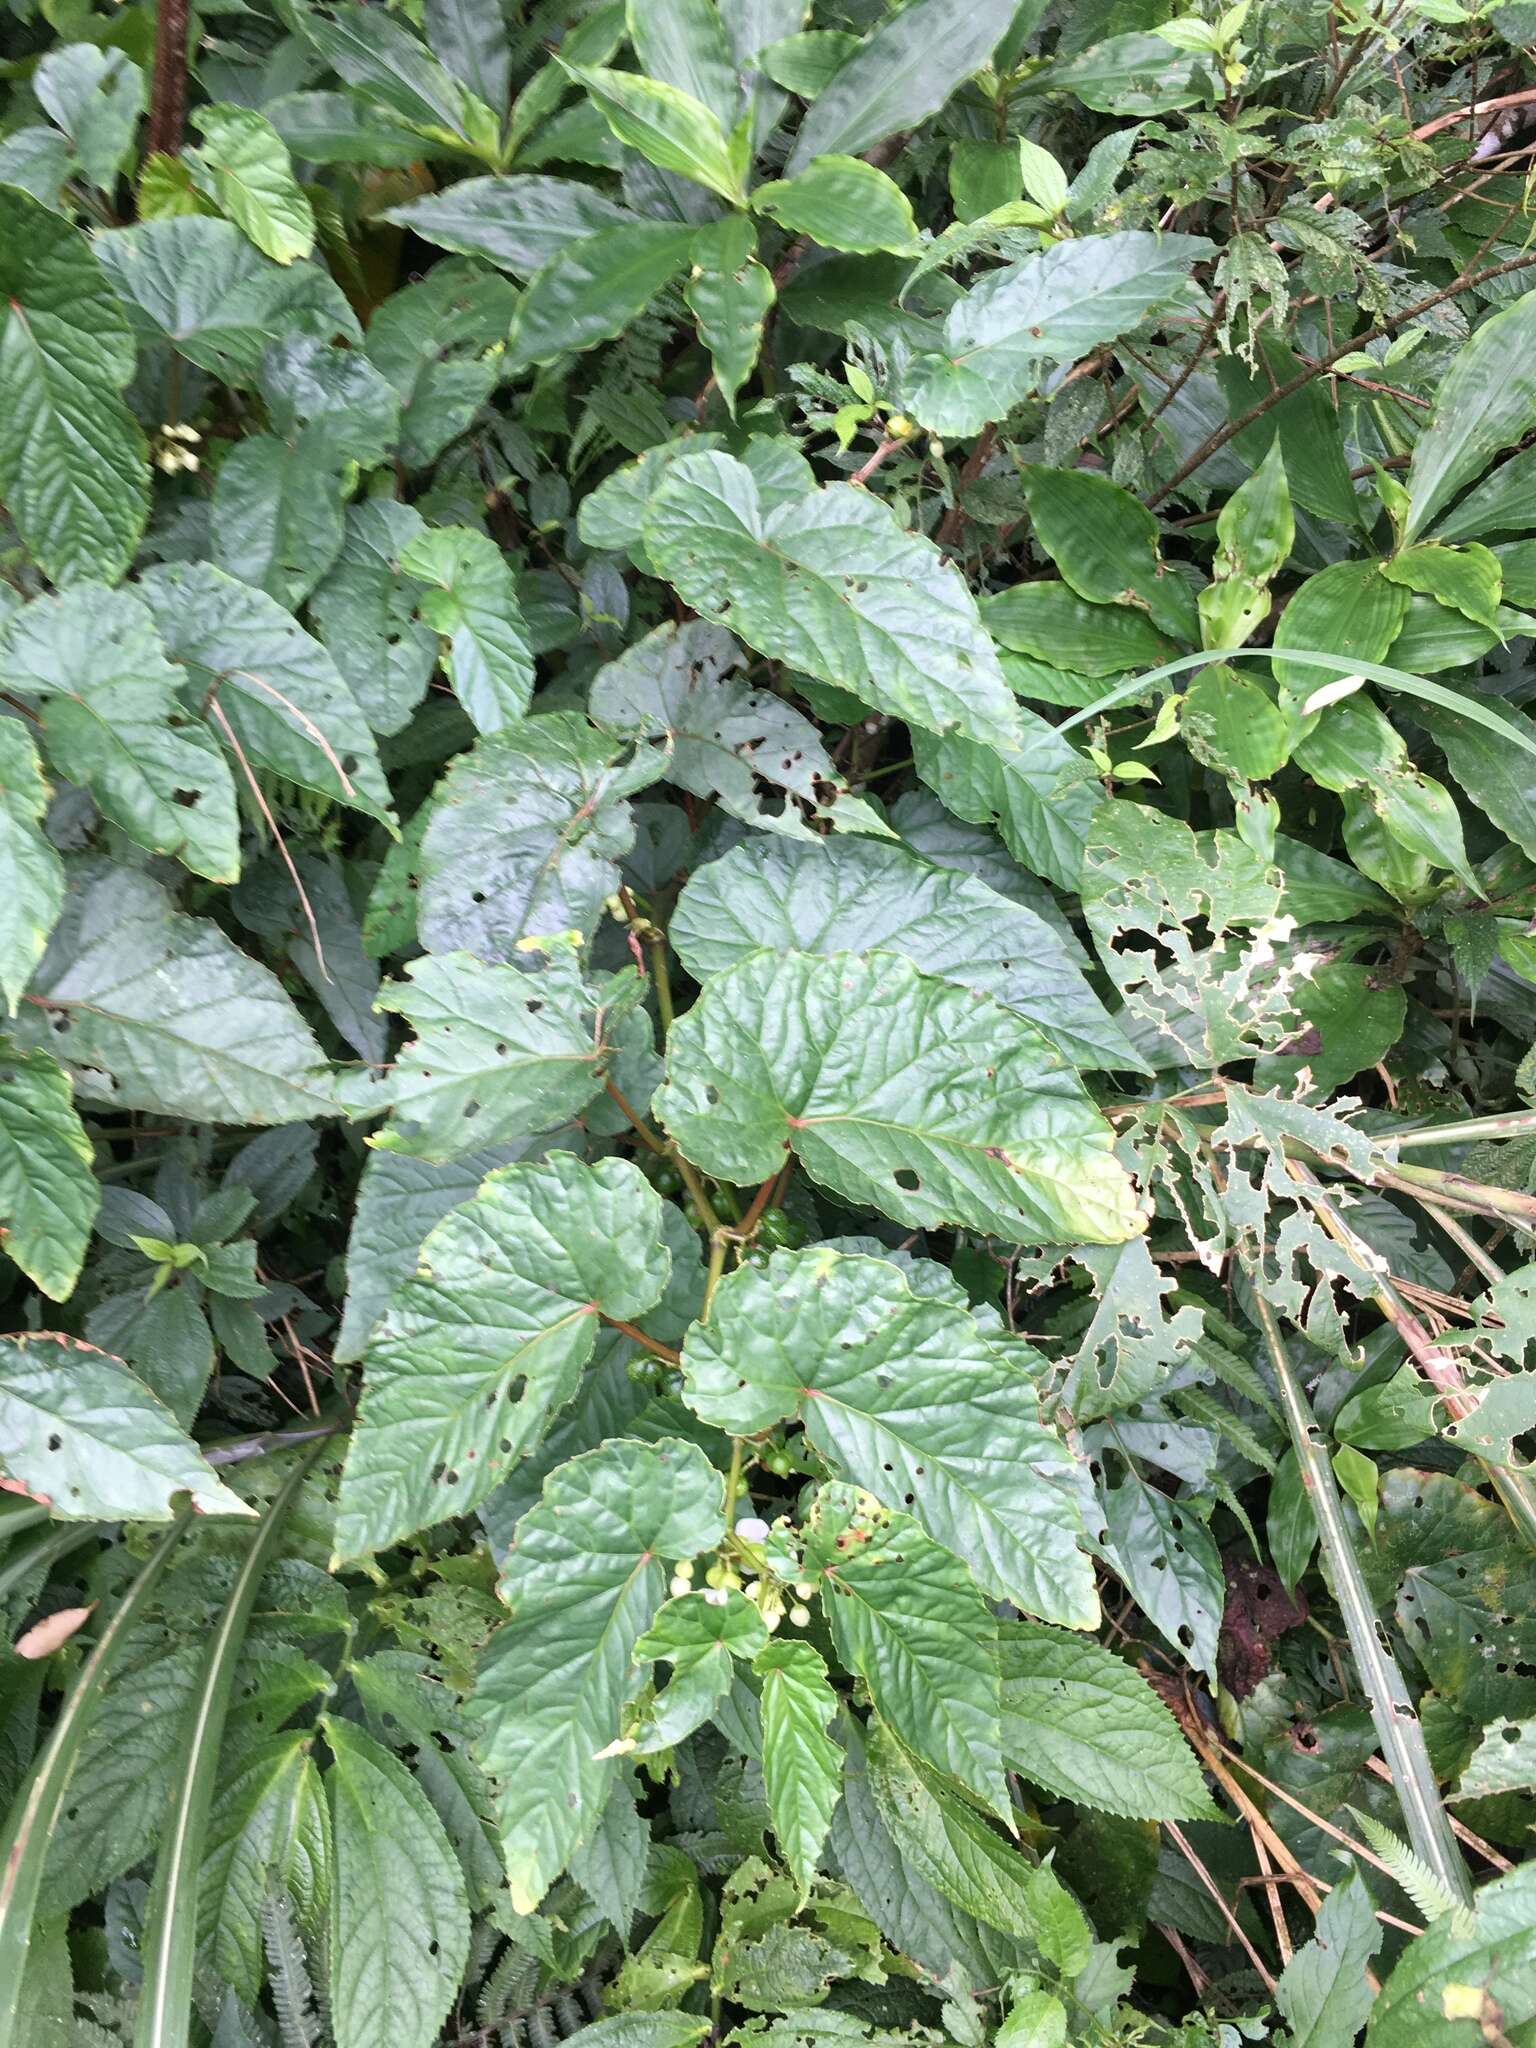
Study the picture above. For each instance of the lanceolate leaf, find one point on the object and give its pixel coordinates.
(487, 1342)
(582, 1581)
(856, 895)
(1486, 402)
(520, 223)
(855, 1063)
(149, 1009)
(907, 1617)
(269, 1832)
(399, 1916)
(81, 1434)
(1325, 1992)
(48, 1193)
(1084, 1725)
(802, 1765)
(830, 584)
(30, 904)
(589, 291)
(73, 468)
(905, 1397)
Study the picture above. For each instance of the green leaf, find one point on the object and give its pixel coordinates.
(728, 740)
(1086, 1726)
(1485, 403)
(269, 1832)
(842, 203)
(856, 895)
(518, 223)
(441, 343)
(486, 1343)
(1324, 1991)
(277, 517)
(802, 1765)
(1041, 796)
(148, 1009)
(829, 583)
(591, 290)
(96, 97)
(200, 285)
(582, 1583)
(1492, 1971)
(399, 1916)
(902, 73)
(905, 1397)
(1292, 1525)
(685, 43)
(244, 165)
(865, 1086)
(730, 294)
(1465, 579)
(48, 1192)
(1051, 621)
(668, 126)
(364, 611)
(473, 605)
(524, 835)
(906, 1616)
(30, 905)
(953, 1849)
(84, 1437)
(1500, 780)
(73, 464)
(510, 1053)
(1170, 1566)
(699, 1633)
(381, 56)
(275, 685)
(643, 2030)
(1504, 1761)
(1132, 75)
(1050, 308)
(1104, 542)
(1230, 721)
(113, 723)
(470, 38)
(1306, 426)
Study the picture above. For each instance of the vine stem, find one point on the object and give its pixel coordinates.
(1398, 1729)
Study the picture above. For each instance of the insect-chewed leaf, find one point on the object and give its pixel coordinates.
(399, 1916)
(80, 1433)
(525, 835)
(906, 1398)
(487, 1342)
(583, 1580)
(907, 1617)
(830, 583)
(498, 1054)
(919, 1098)
(856, 895)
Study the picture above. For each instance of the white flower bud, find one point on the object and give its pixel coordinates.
(752, 1529)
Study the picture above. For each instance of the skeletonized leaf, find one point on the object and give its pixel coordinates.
(48, 1192)
(83, 1435)
(582, 1581)
(905, 1397)
(919, 1098)
(831, 584)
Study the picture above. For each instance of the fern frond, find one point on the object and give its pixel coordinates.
(293, 1995)
(1432, 1898)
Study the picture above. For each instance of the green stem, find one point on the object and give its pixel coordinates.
(34, 1816)
(717, 1244)
(1463, 1240)
(45, 1552)
(1520, 1123)
(1504, 1205)
(732, 1485)
(169, 1947)
(656, 947)
(1398, 1729)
